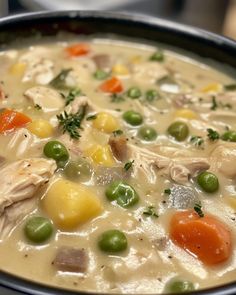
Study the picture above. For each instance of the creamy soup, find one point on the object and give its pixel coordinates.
(117, 164)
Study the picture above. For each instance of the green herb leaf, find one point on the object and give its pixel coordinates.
(37, 107)
(198, 209)
(230, 87)
(157, 56)
(117, 98)
(117, 132)
(59, 81)
(150, 211)
(101, 75)
(167, 191)
(214, 105)
(212, 134)
(128, 165)
(91, 117)
(70, 123)
(72, 95)
(197, 141)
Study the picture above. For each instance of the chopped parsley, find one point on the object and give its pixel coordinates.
(70, 123)
(212, 134)
(37, 107)
(157, 56)
(71, 95)
(214, 104)
(116, 98)
(150, 211)
(198, 209)
(128, 165)
(230, 87)
(60, 80)
(117, 132)
(197, 141)
(167, 191)
(91, 117)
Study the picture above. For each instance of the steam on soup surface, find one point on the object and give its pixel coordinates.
(117, 168)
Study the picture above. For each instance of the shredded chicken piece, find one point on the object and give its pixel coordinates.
(118, 146)
(148, 72)
(19, 183)
(222, 160)
(102, 61)
(178, 169)
(48, 99)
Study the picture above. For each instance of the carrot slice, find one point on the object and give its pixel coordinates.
(206, 237)
(78, 49)
(10, 120)
(112, 85)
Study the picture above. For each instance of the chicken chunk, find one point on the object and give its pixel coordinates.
(179, 169)
(48, 99)
(118, 146)
(19, 183)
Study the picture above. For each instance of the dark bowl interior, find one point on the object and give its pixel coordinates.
(47, 24)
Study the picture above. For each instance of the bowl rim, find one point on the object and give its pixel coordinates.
(26, 286)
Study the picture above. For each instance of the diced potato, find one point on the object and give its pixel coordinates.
(213, 87)
(101, 155)
(231, 200)
(40, 128)
(120, 69)
(136, 59)
(186, 114)
(105, 122)
(18, 69)
(70, 204)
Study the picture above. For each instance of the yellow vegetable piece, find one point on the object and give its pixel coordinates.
(101, 155)
(213, 87)
(105, 122)
(70, 204)
(120, 69)
(40, 128)
(18, 69)
(186, 114)
(136, 59)
(231, 200)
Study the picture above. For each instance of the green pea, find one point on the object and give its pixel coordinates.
(57, 151)
(179, 287)
(229, 136)
(157, 56)
(134, 92)
(38, 229)
(208, 182)
(179, 130)
(147, 133)
(101, 75)
(77, 169)
(151, 95)
(123, 193)
(133, 118)
(112, 241)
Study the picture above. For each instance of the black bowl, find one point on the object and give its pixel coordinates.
(144, 28)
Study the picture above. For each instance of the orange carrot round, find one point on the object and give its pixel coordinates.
(10, 120)
(206, 237)
(78, 49)
(112, 85)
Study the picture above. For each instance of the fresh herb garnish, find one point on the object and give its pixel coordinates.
(150, 211)
(214, 105)
(117, 98)
(198, 209)
(230, 87)
(197, 141)
(212, 134)
(167, 191)
(37, 107)
(72, 95)
(70, 123)
(117, 132)
(157, 56)
(91, 117)
(128, 165)
(59, 80)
